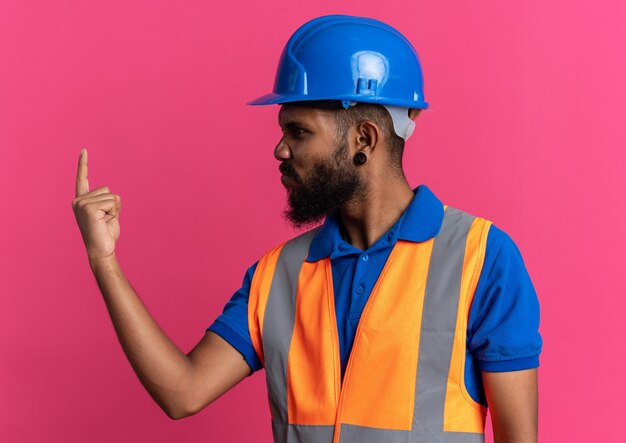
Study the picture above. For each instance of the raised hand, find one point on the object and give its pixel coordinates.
(97, 213)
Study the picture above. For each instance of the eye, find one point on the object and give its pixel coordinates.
(294, 131)
(297, 132)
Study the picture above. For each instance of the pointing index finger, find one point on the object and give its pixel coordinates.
(82, 184)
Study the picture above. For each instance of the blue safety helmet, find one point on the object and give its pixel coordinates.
(350, 59)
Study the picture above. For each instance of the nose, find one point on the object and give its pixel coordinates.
(282, 150)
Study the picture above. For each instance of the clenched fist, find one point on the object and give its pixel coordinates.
(97, 213)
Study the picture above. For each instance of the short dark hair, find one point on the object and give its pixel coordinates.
(346, 118)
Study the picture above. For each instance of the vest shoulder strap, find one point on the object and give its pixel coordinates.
(283, 262)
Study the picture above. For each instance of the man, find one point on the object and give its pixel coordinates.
(398, 319)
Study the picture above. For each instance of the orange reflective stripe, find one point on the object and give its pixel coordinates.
(383, 363)
(257, 299)
(461, 412)
(313, 370)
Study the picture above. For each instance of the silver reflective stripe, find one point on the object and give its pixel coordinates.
(302, 433)
(435, 349)
(361, 434)
(279, 318)
(439, 317)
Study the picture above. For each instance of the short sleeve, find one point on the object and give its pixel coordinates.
(232, 323)
(503, 325)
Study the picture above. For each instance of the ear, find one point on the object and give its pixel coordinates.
(367, 136)
(413, 113)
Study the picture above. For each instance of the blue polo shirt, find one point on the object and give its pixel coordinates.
(503, 325)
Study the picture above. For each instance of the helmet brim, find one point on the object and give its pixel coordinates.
(275, 99)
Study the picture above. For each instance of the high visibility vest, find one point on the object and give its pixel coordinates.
(404, 381)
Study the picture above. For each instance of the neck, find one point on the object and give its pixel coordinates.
(366, 220)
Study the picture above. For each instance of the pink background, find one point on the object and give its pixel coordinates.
(525, 128)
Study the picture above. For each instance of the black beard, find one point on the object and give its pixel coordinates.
(332, 184)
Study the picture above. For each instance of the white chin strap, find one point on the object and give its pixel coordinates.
(402, 124)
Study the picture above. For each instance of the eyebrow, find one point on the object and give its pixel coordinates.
(290, 124)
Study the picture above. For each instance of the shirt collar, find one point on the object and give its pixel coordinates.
(419, 222)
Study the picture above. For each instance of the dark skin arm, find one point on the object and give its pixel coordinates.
(217, 368)
(181, 384)
(513, 403)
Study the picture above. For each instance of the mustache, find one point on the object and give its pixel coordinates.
(288, 170)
